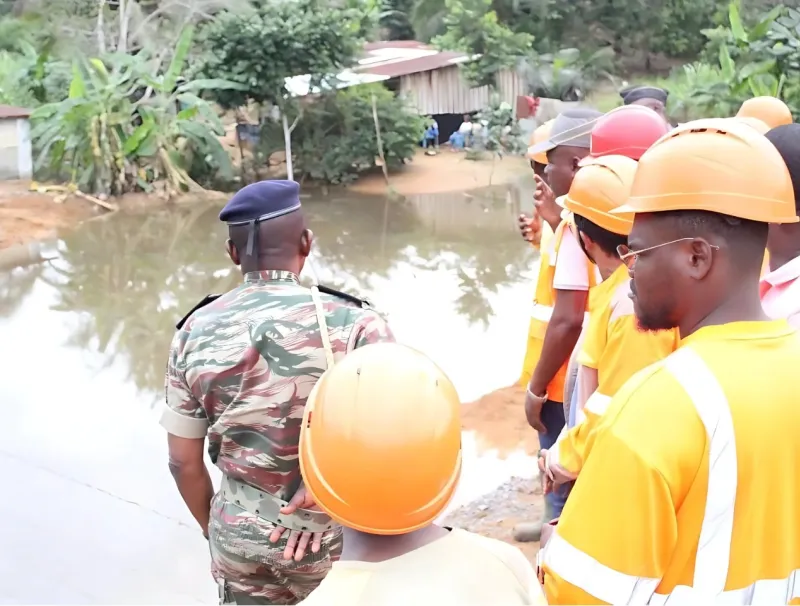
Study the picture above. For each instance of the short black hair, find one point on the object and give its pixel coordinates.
(786, 139)
(747, 239)
(608, 241)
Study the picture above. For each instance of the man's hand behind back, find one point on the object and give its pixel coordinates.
(298, 541)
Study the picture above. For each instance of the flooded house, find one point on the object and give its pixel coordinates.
(431, 81)
(16, 161)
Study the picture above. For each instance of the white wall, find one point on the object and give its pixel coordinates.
(16, 160)
(25, 153)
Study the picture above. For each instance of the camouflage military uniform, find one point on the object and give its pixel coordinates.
(242, 368)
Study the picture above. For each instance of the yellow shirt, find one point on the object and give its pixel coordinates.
(691, 492)
(617, 349)
(461, 569)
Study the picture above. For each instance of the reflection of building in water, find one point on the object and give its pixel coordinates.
(493, 208)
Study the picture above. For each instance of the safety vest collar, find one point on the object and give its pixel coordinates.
(739, 331)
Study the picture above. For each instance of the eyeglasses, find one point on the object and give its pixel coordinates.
(629, 256)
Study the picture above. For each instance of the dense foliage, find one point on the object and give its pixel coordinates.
(473, 28)
(106, 141)
(280, 40)
(744, 58)
(118, 107)
(500, 133)
(336, 138)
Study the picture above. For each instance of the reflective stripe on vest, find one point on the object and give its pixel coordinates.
(597, 403)
(716, 531)
(543, 313)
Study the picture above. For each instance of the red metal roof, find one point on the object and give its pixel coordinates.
(401, 58)
(370, 46)
(9, 111)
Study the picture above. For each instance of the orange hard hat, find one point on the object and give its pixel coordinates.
(600, 187)
(760, 127)
(380, 444)
(717, 165)
(626, 131)
(542, 133)
(771, 111)
(755, 123)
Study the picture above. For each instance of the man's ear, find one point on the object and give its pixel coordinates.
(700, 261)
(306, 241)
(576, 161)
(233, 252)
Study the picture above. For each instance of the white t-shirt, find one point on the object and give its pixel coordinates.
(460, 569)
(465, 128)
(572, 264)
(780, 292)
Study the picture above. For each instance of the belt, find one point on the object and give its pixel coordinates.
(268, 507)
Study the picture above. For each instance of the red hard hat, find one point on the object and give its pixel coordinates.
(626, 131)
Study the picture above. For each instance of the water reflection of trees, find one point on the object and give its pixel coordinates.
(481, 246)
(130, 278)
(472, 236)
(133, 277)
(15, 285)
(359, 238)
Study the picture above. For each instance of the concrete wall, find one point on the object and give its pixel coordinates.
(15, 149)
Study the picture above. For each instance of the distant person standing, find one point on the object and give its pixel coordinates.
(240, 369)
(430, 140)
(466, 130)
(650, 96)
(561, 297)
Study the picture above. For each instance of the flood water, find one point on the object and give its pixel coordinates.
(90, 513)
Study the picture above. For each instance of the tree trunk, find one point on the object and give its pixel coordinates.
(124, 19)
(101, 33)
(287, 144)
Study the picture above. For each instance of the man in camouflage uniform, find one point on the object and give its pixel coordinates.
(241, 367)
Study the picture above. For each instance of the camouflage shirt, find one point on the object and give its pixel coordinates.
(240, 371)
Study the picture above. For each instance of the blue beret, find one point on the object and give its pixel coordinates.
(261, 201)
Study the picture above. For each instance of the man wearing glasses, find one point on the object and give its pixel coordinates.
(689, 492)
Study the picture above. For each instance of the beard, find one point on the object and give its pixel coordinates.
(653, 315)
(653, 319)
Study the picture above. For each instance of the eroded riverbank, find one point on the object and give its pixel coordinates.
(27, 216)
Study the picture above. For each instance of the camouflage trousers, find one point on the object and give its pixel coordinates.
(251, 570)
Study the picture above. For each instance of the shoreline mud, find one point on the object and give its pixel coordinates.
(27, 216)
(498, 419)
(494, 515)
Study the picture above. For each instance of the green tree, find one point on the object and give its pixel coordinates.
(395, 19)
(103, 140)
(281, 40)
(336, 138)
(473, 28)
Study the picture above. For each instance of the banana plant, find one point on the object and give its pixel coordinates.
(123, 128)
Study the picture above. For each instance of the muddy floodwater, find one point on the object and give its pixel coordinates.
(89, 512)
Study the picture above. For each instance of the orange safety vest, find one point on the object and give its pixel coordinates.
(543, 303)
